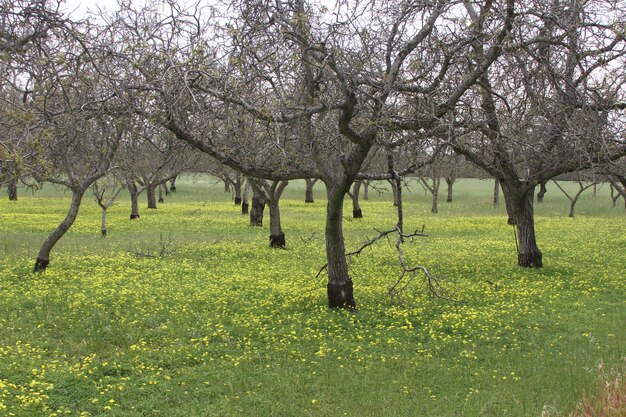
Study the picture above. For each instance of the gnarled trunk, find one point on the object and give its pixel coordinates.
(150, 192)
(339, 288)
(450, 182)
(308, 196)
(244, 198)
(173, 184)
(277, 236)
(134, 200)
(43, 258)
(12, 189)
(357, 213)
(519, 205)
(257, 209)
(542, 191)
(435, 191)
(161, 191)
(496, 193)
(237, 187)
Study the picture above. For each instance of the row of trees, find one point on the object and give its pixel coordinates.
(283, 89)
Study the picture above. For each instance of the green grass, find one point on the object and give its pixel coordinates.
(222, 325)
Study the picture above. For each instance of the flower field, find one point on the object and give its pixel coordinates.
(189, 312)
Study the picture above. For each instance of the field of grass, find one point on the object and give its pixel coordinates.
(220, 324)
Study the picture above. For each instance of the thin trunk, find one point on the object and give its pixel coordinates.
(340, 289)
(173, 184)
(496, 193)
(396, 184)
(519, 206)
(150, 192)
(103, 229)
(257, 209)
(450, 182)
(366, 190)
(12, 189)
(308, 197)
(43, 258)
(244, 199)
(277, 236)
(542, 191)
(357, 213)
(161, 188)
(237, 187)
(573, 199)
(435, 191)
(396, 197)
(134, 200)
(226, 185)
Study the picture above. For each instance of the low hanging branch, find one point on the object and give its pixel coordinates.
(408, 273)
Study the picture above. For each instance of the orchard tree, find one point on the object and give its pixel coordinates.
(550, 105)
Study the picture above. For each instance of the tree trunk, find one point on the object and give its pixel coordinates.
(150, 191)
(357, 213)
(244, 199)
(237, 187)
(450, 182)
(277, 236)
(542, 191)
(339, 288)
(435, 206)
(496, 193)
(226, 186)
(519, 206)
(396, 197)
(43, 258)
(366, 190)
(103, 229)
(308, 197)
(173, 184)
(12, 189)
(161, 187)
(134, 200)
(257, 209)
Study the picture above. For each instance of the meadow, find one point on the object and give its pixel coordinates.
(187, 311)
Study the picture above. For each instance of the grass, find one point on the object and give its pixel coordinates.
(222, 325)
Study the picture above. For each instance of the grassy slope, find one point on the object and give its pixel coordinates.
(225, 326)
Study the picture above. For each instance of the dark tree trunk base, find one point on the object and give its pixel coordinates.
(134, 216)
(104, 232)
(530, 260)
(244, 207)
(309, 201)
(161, 200)
(237, 201)
(41, 264)
(173, 188)
(278, 241)
(340, 295)
(357, 214)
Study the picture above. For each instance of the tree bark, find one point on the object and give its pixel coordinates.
(12, 189)
(542, 191)
(173, 184)
(103, 228)
(161, 188)
(134, 200)
(237, 187)
(308, 196)
(43, 258)
(244, 199)
(519, 205)
(396, 197)
(150, 192)
(257, 209)
(277, 236)
(496, 193)
(339, 289)
(366, 190)
(450, 182)
(435, 206)
(357, 213)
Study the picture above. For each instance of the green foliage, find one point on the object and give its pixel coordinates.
(223, 325)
